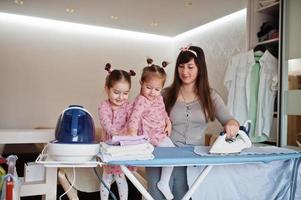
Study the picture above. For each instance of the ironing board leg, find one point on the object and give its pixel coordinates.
(197, 182)
(137, 184)
(51, 182)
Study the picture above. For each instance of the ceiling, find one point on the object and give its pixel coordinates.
(162, 17)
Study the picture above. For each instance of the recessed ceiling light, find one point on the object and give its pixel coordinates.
(68, 27)
(153, 24)
(69, 10)
(188, 2)
(114, 17)
(20, 2)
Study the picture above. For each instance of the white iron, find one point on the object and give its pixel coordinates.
(234, 145)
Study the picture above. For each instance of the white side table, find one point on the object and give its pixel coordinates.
(46, 188)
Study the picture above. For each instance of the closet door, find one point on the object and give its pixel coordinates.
(290, 128)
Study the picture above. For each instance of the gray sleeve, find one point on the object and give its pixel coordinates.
(222, 114)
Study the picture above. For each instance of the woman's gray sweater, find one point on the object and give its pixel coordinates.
(189, 123)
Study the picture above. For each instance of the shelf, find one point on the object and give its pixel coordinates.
(272, 9)
(268, 41)
(47, 161)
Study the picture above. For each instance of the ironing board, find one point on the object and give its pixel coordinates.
(185, 156)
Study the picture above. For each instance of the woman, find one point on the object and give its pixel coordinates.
(191, 104)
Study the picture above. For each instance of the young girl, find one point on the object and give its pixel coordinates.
(113, 115)
(150, 118)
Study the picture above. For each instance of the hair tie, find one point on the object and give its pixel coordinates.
(132, 73)
(164, 64)
(108, 68)
(149, 61)
(187, 49)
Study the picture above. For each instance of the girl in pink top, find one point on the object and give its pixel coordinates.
(150, 118)
(113, 115)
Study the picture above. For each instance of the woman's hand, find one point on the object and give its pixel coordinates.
(231, 128)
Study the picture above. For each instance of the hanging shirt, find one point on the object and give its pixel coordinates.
(237, 81)
(268, 85)
(254, 87)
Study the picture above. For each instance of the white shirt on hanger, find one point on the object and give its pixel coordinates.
(266, 93)
(237, 81)
(237, 85)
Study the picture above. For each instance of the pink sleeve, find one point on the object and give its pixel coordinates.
(129, 110)
(162, 106)
(105, 118)
(138, 108)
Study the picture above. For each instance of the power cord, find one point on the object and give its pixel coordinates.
(72, 184)
(102, 182)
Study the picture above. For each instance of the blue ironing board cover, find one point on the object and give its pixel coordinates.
(185, 156)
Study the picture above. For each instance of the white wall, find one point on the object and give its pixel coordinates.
(44, 69)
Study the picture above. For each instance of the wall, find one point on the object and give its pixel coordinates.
(44, 69)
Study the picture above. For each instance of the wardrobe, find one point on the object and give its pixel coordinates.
(264, 33)
(274, 25)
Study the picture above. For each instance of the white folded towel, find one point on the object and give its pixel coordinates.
(127, 153)
(146, 147)
(107, 157)
(131, 152)
(118, 138)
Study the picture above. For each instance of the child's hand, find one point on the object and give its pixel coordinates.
(114, 133)
(132, 132)
(167, 129)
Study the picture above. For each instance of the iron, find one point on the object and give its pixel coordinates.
(224, 145)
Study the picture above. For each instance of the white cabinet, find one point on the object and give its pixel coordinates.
(264, 27)
(257, 16)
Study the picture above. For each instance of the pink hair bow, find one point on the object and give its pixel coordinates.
(185, 48)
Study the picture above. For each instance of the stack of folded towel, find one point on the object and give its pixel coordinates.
(126, 148)
(128, 140)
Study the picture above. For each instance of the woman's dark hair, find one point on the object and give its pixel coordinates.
(154, 71)
(202, 88)
(117, 75)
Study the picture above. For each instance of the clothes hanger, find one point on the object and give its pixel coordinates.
(261, 48)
